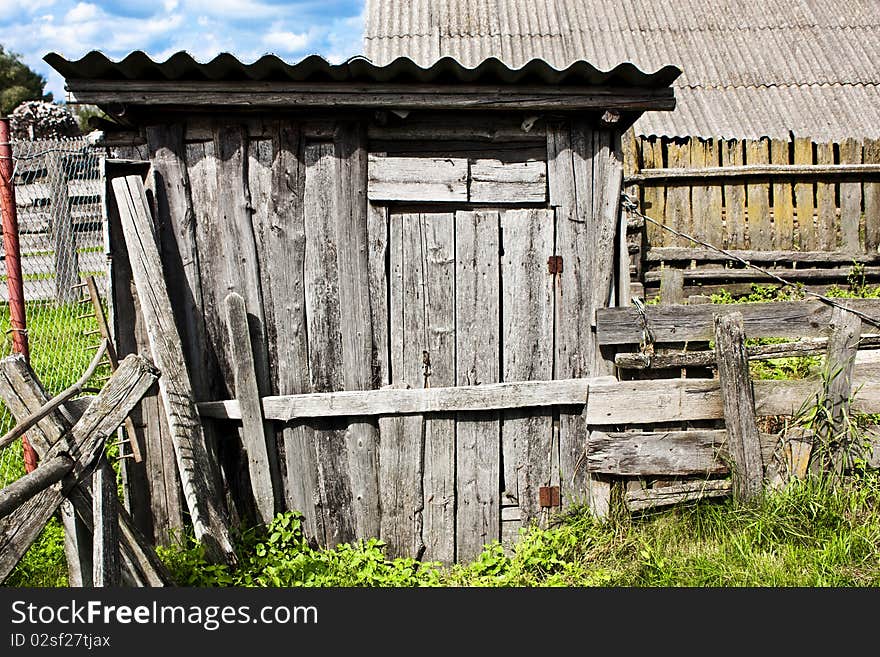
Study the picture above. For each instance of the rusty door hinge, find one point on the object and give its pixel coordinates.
(548, 496)
(554, 264)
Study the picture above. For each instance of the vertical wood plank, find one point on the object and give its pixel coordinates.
(826, 205)
(357, 332)
(671, 285)
(377, 254)
(106, 567)
(843, 343)
(585, 238)
(277, 181)
(803, 190)
(527, 321)
(417, 456)
(341, 341)
(758, 198)
(325, 335)
(653, 195)
(477, 320)
(734, 198)
(706, 198)
(63, 235)
(679, 212)
(850, 199)
(739, 406)
(255, 430)
(783, 208)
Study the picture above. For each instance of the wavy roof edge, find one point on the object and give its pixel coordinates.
(225, 67)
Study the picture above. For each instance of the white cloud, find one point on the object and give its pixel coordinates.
(286, 41)
(170, 5)
(82, 12)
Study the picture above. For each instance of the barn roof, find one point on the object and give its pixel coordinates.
(750, 69)
(183, 82)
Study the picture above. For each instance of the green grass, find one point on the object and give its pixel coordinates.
(60, 353)
(812, 534)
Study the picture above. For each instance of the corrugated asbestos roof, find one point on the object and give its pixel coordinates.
(226, 67)
(750, 68)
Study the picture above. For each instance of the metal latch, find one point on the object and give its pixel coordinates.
(554, 264)
(548, 496)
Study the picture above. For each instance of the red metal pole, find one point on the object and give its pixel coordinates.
(12, 250)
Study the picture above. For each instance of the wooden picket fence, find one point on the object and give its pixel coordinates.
(808, 210)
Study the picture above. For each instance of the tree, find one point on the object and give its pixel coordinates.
(37, 119)
(18, 82)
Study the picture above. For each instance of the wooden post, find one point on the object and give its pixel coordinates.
(843, 343)
(63, 236)
(105, 560)
(738, 397)
(255, 430)
(193, 462)
(671, 286)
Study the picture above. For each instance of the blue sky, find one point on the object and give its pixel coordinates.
(203, 28)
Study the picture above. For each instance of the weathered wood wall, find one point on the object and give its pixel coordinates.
(405, 254)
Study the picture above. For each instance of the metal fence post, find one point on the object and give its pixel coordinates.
(12, 251)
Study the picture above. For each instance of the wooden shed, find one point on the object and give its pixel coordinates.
(432, 241)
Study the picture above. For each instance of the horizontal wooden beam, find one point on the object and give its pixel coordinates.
(651, 498)
(747, 274)
(611, 402)
(806, 347)
(682, 400)
(752, 171)
(396, 96)
(680, 323)
(396, 401)
(684, 254)
(665, 453)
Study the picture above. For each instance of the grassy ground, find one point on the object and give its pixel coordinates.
(813, 534)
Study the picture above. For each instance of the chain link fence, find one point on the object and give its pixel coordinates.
(59, 190)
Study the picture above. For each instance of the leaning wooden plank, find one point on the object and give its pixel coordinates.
(668, 495)
(478, 435)
(739, 406)
(668, 453)
(496, 181)
(36, 481)
(209, 523)
(85, 444)
(784, 319)
(417, 178)
(255, 430)
(105, 560)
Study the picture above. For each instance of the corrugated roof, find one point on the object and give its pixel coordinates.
(226, 67)
(750, 69)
